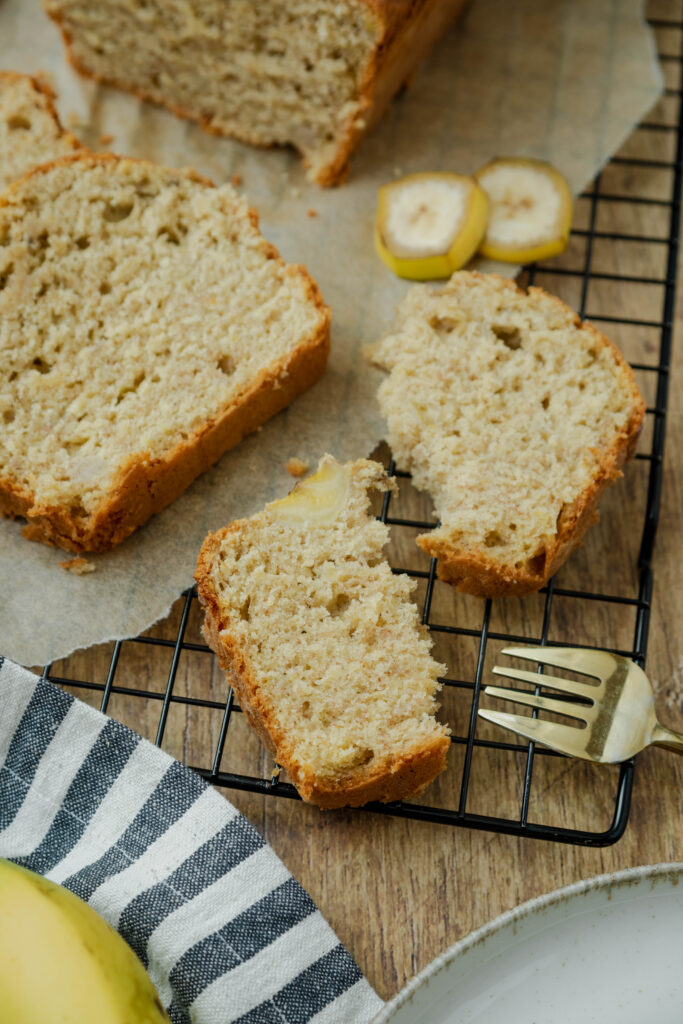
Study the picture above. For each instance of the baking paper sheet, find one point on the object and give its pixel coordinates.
(564, 81)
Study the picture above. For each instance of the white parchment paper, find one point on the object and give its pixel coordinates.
(564, 81)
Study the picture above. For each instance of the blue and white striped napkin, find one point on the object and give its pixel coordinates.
(225, 932)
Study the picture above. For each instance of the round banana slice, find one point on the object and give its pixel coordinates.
(429, 225)
(530, 210)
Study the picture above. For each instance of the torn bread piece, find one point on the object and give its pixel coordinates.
(146, 326)
(322, 644)
(30, 130)
(514, 415)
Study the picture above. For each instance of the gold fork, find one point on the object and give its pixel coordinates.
(618, 713)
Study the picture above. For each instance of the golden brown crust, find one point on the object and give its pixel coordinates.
(88, 158)
(476, 572)
(146, 485)
(396, 779)
(406, 31)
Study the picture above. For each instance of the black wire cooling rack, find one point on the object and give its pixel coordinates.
(619, 269)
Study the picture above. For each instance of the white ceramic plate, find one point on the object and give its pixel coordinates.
(608, 950)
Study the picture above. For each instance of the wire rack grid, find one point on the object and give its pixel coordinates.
(619, 270)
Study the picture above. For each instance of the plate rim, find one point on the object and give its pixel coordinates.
(523, 910)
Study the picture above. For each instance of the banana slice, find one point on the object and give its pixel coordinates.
(429, 225)
(316, 500)
(530, 210)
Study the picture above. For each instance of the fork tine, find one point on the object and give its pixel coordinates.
(558, 707)
(587, 661)
(563, 738)
(588, 690)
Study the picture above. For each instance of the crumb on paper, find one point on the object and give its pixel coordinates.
(311, 212)
(296, 467)
(78, 566)
(295, 192)
(75, 121)
(106, 139)
(237, 180)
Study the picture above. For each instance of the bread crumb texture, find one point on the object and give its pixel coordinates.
(514, 415)
(30, 132)
(145, 327)
(273, 73)
(322, 643)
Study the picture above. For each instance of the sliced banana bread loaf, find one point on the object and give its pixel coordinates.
(514, 415)
(315, 74)
(145, 327)
(30, 132)
(322, 644)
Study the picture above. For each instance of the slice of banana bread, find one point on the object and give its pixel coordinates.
(146, 326)
(322, 644)
(30, 132)
(315, 74)
(514, 415)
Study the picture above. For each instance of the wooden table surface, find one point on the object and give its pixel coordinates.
(399, 892)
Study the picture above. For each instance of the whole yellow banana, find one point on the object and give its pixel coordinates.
(61, 963)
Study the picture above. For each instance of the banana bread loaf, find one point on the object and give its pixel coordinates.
(315, 74)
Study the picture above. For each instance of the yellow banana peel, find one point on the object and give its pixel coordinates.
(61, 963)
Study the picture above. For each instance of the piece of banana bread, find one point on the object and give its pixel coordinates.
(514, 415)
(315, 74)
(146, 326)
(322, 644)
(30, 132)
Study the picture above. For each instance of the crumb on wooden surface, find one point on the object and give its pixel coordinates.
(275, 774)
(106, 139)
(296, 467)
(312, 212)
(78, 566)
(237, 180)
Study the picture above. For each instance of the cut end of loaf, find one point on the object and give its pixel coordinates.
(322, 644)
(515, 416)
(145, 327)
(312, 74)
(269, 74)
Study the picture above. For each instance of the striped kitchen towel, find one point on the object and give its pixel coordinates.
(224, 930)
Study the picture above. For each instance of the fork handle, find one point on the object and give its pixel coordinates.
(662, 737)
